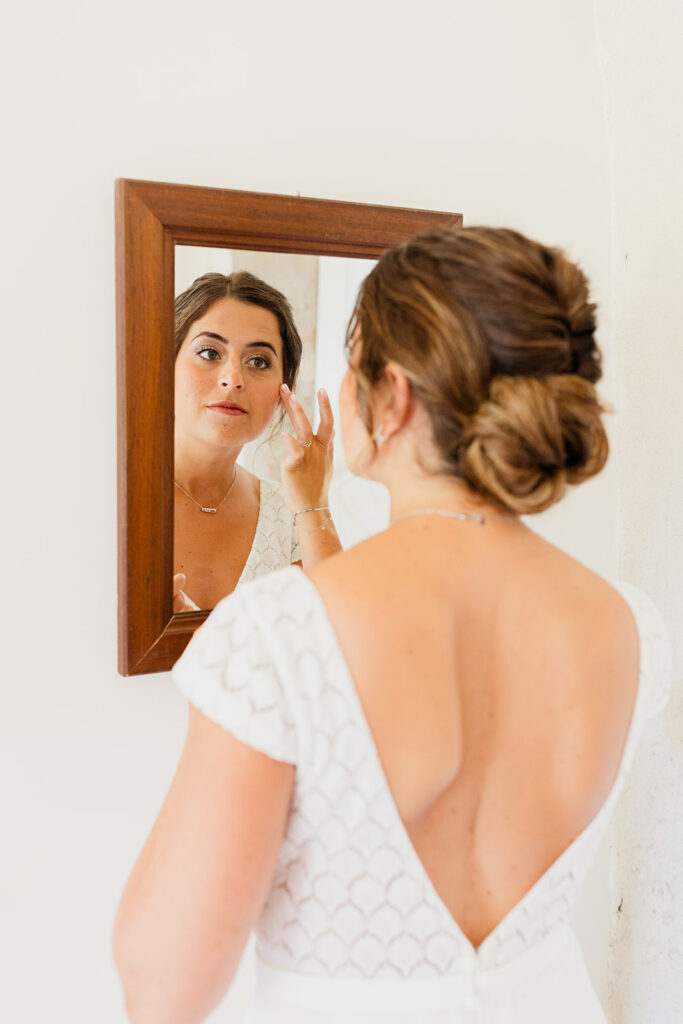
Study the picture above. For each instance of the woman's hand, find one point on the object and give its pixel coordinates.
(181, 602)
(307, 467)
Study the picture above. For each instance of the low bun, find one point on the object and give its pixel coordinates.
(531, 438)
(496, 335)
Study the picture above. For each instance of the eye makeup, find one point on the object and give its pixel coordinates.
(264, 360)
(203, 347)
(209, 354)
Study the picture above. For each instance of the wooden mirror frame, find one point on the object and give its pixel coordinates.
(151, 218)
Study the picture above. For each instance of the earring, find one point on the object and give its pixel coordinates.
(379, 437)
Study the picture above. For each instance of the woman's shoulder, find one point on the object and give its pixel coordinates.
(370, 560)
(272, 491)
(237, 669)
(620, 625)
(263, 489)
(263, 599)
(373, 575)
(268, 612)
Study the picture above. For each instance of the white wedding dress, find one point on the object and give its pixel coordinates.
(276, 541)
(353, 929)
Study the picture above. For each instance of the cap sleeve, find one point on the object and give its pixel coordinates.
(228, 673)
(656, 655)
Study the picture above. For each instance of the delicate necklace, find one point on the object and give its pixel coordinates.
(205, 508)
(476, 517)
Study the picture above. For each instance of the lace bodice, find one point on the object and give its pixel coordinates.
(350, 897)
(275, 542)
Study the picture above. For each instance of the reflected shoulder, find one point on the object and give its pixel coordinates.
(250, 481)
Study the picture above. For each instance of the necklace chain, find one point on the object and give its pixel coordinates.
(476, 517)
(206, 508)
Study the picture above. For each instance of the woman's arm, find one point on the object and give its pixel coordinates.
(306, 473)
(317, 537)
(200, 882)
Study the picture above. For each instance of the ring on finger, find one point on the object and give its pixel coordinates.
(305, 444)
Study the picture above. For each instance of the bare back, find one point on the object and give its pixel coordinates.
(498, 677)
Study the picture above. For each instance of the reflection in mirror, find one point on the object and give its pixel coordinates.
(245, 322)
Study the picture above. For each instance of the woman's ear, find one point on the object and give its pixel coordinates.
(395, 401)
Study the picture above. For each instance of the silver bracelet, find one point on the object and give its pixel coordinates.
(322, 525)
(319, 508)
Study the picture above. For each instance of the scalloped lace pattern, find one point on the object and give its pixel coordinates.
(276, 542)
(350, 897)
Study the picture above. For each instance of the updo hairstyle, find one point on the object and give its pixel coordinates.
(193, 303)
(495, 334)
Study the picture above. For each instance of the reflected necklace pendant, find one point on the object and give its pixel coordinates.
(205, 508)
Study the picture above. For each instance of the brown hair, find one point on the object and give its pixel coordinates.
(194, 302)
(495, 333)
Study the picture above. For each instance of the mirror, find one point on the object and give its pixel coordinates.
(321, 291)
(315, 252)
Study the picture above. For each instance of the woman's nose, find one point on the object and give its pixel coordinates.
(231, 376)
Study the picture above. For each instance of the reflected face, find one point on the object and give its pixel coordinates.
(228, 373)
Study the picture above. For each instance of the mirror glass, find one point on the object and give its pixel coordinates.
(217, 550)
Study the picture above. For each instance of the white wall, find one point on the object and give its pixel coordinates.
(640, 49)
(492, 109)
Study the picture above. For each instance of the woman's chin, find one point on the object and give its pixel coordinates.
(236, 434)
(228, 432)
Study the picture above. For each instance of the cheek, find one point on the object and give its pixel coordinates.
(353, 430)
(346, 398)
(266, 395)
(189, 384)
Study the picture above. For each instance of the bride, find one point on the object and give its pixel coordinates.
(400, 763)
(237, 357)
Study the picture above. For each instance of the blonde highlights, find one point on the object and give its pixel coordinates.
(495, 333)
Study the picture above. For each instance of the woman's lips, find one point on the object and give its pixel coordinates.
(228, 409)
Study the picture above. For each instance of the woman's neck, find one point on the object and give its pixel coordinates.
(206, 471)
(419, 490)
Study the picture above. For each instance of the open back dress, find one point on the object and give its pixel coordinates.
(353, 929)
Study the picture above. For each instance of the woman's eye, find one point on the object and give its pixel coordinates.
(260, 362)
(210, 354)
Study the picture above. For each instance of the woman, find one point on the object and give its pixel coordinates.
(237, 356)
(400, 764)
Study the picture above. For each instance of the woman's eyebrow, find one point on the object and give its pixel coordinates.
(262, 344)
(212, 335)
(224, 341)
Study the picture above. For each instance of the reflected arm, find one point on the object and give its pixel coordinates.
(306, 473)
(318, 537)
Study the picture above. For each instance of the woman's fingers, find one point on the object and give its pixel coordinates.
(181, 602)
(178, 596)
(295, 453)
(326, 427)
(300, 421)
(295, 411)
(306, 466)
